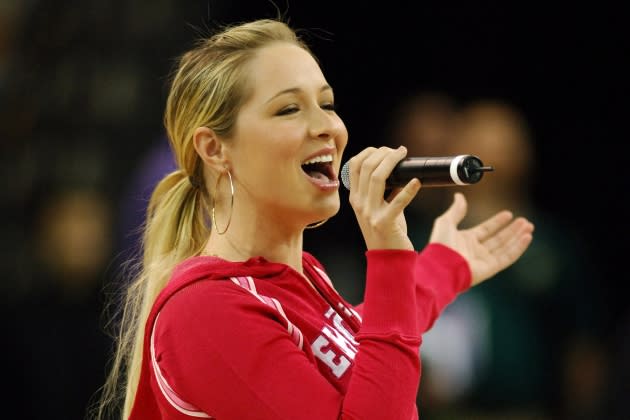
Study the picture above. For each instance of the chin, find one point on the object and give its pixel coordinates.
(327, 208)
(331, 209)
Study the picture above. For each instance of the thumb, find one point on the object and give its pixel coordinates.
(457, 210)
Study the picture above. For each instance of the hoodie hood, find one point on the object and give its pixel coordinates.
(215, 268)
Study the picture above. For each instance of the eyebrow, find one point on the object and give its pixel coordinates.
(296, 90)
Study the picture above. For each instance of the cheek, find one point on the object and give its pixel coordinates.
(277, 150)
(341, 137)
(267, 159)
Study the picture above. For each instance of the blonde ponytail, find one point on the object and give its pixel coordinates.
(175, 220)
(175, 229)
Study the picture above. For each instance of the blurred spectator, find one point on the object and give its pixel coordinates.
(57, 347)
(424, 124)
(545, 311)
(524, 344)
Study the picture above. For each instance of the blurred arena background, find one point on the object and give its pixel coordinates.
(82, 90)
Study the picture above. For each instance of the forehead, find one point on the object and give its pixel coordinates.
(281, 66)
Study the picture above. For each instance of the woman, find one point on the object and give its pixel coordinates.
(230, 318)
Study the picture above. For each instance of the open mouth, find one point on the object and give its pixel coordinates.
(320, 169)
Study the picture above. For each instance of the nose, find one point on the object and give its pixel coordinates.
(325, 124)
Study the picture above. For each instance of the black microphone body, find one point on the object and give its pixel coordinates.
(440, 171)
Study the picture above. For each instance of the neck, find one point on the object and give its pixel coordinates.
(253, 234)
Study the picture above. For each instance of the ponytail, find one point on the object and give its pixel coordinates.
(175, 220)
(175, 229)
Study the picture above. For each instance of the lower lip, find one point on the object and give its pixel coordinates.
(324, 186)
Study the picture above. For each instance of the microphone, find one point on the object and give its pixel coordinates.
(432, 171)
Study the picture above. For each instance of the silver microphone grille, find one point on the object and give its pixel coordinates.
(345, 175)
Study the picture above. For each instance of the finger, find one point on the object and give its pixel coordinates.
(513, 251)
(375, 170)
(355, 164)
(504, 237)
(378, 178)
(457, 210)
(368, 166)
(393, 194)
(356, 161)
(489, 227)
(401, 198)
(509, 235)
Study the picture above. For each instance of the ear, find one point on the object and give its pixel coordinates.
(210, 148)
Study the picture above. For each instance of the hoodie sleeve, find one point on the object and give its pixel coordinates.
(440, 274)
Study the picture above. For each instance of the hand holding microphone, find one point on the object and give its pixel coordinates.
(432, 171)
(382, 220)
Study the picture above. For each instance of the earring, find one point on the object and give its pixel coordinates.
(316, 224)
(214, 220)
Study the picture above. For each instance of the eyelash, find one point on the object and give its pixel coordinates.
(330, 106)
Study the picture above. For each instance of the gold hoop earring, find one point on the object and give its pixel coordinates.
(316, 224)
(214, 219)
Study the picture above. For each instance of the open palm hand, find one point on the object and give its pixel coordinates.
(489, 246)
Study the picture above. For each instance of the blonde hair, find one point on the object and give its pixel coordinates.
(208, 89)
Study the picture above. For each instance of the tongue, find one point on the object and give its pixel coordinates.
(318, 175)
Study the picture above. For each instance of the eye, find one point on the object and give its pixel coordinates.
(329, 106)
(291, 109)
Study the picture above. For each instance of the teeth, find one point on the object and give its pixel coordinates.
(323, 158)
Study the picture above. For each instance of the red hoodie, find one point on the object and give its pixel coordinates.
(254, 340)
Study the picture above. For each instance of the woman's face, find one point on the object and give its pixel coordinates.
(286, 150)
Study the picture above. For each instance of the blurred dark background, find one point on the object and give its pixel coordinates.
(82, 90)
